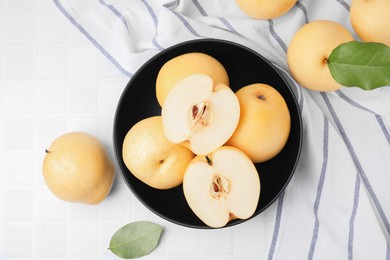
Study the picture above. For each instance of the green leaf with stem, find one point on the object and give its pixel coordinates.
(361, 64)
(136, 239)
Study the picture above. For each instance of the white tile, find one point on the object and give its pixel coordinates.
(175, 258)
(51, 63)
(106, 130)
(17, 169)
(219, 257)
(117, 205)
(84, 239)
(250, 257)
(107, 230)
(18, 133)
(18, 63)
(18, 29)
(79, 212)
(48, 207)
(140, 211)
(50, 97)
(110, 94)
(18, 5)
(17, 98)
(248, 237)
(48, 128)
(88, 124)
(84, 97)
(38, 162)
(47, 7)
(15, 240)
(83, 62)
(50, 240)
(16, 204)
(181, 241)
(50, 28)
(216, 242)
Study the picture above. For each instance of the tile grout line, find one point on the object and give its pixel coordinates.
(99, 96)
(34, 127)
(65, 80)
(67, 107)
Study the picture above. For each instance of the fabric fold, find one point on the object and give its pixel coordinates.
(336, 205)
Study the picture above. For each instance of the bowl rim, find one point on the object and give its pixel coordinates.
(127, 89)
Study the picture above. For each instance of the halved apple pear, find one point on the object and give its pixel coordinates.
(222, 186)
(203, 112)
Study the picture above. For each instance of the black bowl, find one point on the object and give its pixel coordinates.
(244, 67)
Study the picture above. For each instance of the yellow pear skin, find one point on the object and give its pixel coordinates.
(371, 20)
(76, 168)
(265, 9)
(184, 65)
(309, 50)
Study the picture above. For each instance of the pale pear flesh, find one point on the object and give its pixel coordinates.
(222, 187)
(184, 65)
(200, 111)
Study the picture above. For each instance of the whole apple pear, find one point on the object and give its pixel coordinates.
(76, 168)
(371, 20)
(309, 50)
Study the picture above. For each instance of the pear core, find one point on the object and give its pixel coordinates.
(201, 112)
(222, 186)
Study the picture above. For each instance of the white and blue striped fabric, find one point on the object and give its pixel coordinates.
(337, 206)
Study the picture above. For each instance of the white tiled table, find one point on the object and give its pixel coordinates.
(52, 81)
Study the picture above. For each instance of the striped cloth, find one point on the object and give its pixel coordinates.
(337, 204)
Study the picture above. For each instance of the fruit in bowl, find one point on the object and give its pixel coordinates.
(195, 110)
(183, 65)
(265, 123)
(222, 186)
(152, 158)
(201, 112)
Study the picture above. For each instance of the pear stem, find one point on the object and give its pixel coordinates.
(47, 151)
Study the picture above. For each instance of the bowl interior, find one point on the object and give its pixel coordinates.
(244, 67)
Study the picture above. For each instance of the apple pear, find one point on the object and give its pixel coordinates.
(265, 9)
(76, 168)
(184, 65)
(264, 125)
(152, 158)
(309, 50)
(200, 111)
(222, 186)
(371, 20)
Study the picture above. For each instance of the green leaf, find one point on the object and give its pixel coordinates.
(135, 239)
(361, 64)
